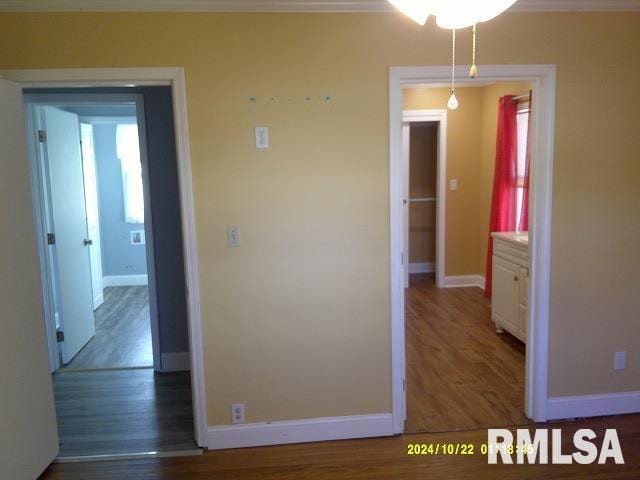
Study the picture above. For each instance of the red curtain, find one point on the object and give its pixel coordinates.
(523, 224)
(504, 199)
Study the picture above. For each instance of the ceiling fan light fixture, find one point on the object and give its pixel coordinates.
(416, 10)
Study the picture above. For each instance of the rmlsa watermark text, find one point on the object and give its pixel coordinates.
(545, 446)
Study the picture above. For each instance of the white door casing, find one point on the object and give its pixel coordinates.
(93, 214)
(69, 224)
(543, 78)
(28, 432)
(175, 78)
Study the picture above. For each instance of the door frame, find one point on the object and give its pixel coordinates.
(439, 117)
(152, 76)
(37, 157)
(543, 78)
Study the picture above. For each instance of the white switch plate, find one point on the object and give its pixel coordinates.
(453, 184)
(233, 237)
(620, 360)
(237, 413)
(262, 137)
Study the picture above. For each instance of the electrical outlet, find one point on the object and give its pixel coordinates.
(237, 413)
(620, 360)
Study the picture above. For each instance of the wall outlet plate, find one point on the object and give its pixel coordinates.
(620, 360)
(137, 237)
(237, 413)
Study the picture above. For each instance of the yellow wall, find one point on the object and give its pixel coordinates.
(471, 147)
(296, 320)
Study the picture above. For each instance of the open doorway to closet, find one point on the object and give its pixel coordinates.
(465, 342)
(107, 205)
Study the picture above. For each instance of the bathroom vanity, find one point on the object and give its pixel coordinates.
(510, 285)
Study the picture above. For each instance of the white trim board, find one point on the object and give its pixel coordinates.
(543, 78)
(175, 362)
(174, 77)
(299, 431)
(422, 267)
(125, 280)
(593, 405)
(455, 281)
(311, 6)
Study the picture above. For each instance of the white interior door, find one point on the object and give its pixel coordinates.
(28, 432)
(69, 220)
(93, 216)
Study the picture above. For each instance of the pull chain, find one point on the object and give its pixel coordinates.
(452, 104)
(473, 71)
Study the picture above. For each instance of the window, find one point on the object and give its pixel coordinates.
(128, 151)
(522, 120)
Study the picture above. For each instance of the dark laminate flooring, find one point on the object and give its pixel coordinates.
(123, 332)
(370, 459)
(461, 374)
(123, 411)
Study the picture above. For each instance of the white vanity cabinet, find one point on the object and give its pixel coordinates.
(510, 287)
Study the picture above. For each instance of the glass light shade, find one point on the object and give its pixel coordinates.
(452, 104)
(417, 10)
(457, 14)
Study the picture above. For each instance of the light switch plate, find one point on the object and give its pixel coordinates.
(453, 184)
(262, 137)
(233, 237)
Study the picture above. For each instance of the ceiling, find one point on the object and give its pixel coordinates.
(292, 5)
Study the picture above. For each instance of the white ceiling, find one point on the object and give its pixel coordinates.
(292, 5)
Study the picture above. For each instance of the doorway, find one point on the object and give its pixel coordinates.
(88, 168)
(542, 78)
(120, 388)
(463, 372)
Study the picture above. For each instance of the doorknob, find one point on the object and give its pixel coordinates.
(88, 242)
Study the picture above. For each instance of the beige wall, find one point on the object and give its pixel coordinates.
(423, 160)
(471, 146)
(296, 321)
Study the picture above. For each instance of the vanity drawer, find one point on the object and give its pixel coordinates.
(508, 251)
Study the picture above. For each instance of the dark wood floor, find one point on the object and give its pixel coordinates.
(368, 459)
(123, 332)
(123, 411)
(461, 374)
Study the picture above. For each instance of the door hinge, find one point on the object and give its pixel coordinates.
(42, 136)
(51, 238)
(402, 258)
(404, 384)
(60, 336)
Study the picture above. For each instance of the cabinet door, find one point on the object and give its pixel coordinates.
(505, 301)
(523, 316)
(524, 286)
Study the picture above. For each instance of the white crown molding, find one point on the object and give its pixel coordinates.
(327, 6)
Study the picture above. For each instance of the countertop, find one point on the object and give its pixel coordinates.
(517, 238)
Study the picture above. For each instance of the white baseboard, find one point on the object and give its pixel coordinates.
(453, 281)
(422, 267)
(593, 405)
(299, 431)
(124, 280)
(175, 362)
